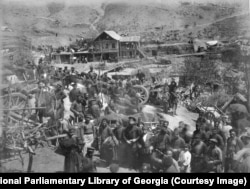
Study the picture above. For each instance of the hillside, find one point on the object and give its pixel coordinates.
(58, 24)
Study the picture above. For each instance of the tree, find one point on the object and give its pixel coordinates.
(201, 69)
(244, 45)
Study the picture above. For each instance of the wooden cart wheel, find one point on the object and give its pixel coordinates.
(15, 102)
(210, 116)
(142, 92)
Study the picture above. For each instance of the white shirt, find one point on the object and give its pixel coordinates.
(185, 157)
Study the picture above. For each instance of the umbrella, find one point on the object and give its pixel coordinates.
(238, 108)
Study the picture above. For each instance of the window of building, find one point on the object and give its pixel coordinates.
(107, 46)
(113, 45)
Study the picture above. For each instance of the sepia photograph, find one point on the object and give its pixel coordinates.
(118, 86)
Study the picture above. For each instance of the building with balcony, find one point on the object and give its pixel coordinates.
(112, 47)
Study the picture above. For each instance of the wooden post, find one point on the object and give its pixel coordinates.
(118, 51)
(30, 162)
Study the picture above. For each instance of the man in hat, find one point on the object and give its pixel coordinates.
(65, 70)
(200, 124)
(108, 142)
(74, 92)
(70, 149)
(214, 157)
(40, 99)
(88, 163)
(59, 73)
(78, 108)
(162, 140)
(172, 85)
(59, 93)
(131, 136)
(198, 151)
(160, 143)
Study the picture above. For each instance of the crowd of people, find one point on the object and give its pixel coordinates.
(131, 143)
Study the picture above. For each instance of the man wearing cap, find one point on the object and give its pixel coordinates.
(40, 98)
(59, 93)
(198, 151)
(59, 73)
(131, 136)
(172, 85)
(214, 157)
(160, 143)
(200, 130)
(78, 108)
(88, 163)
(74, 93)
(108, 142)
(162, 140)
(71, 151)
(65, 70)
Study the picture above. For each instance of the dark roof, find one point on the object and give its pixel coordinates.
(117, 37)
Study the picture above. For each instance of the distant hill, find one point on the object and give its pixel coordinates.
(58, 24)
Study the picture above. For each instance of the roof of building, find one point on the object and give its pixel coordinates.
(82, 52)
(130, 39)
(61, 53)
(114, 35)
(117, 37)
